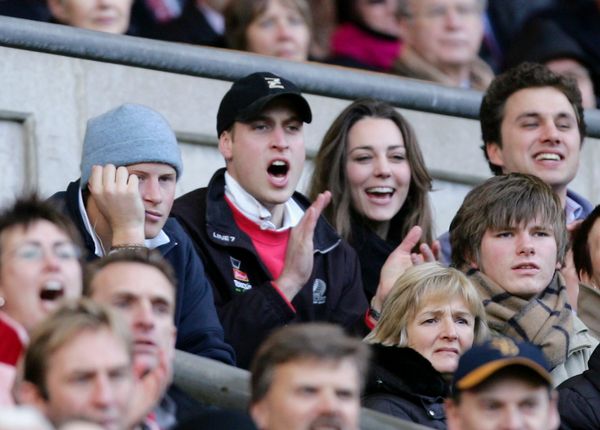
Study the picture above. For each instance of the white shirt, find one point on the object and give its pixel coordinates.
(572, 210)
(256, 212)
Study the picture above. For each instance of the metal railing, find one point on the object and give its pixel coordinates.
(314, 78)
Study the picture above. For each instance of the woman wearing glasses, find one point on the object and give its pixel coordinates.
(40, 266)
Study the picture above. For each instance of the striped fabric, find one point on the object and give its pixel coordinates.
(545, 320)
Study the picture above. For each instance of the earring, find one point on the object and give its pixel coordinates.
(2, 301)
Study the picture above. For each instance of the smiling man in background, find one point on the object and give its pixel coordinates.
(441, 42)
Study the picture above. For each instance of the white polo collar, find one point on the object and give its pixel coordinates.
(256, 212)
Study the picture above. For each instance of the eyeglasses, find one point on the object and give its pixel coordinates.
(440, 12)
(376, 2)
(64, 251)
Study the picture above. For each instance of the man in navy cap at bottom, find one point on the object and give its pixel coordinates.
(502, 385)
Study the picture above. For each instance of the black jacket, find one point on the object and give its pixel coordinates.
(372, 252)
(198, 328)
(404, 384)
(248, 305)
(190, 27)
(579, 398)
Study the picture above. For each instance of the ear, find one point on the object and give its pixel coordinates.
(583, 277)
(173, 340)
(473, 263)
(260, 414)
(226, 145)
(58, 10)
(494, 153)
(404, 29)
(29, 394)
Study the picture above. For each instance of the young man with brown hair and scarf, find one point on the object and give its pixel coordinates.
(510, 237)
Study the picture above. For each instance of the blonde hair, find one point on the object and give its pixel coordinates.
(418, 286)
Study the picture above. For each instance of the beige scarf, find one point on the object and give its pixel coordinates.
(412, 65)
(545, 320)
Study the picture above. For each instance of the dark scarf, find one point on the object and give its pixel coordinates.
(372, 252)
(545, 320)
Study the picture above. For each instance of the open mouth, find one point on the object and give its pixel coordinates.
(380, 192)
(278, 168)
(548, 156)
(52, 291)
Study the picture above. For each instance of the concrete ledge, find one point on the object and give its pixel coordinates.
(225, 386)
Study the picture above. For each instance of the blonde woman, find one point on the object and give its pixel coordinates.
(432, 315)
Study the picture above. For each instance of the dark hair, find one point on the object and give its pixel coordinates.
(330, 172)
(318, 341)
(239, 14)
(580, 244)
(346, 11)
(31, 209)
(500, 202)
(60, 328)
(146, 256)
(523, 76)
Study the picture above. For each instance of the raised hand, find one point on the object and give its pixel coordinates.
(299, 256)
(401, 259)
(149, 387)
(427, 253)
(116, 194)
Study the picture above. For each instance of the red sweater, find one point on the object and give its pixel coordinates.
(12, 342)
(270, 245)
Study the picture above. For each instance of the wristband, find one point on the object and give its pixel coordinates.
(374, 314)
(133, 247)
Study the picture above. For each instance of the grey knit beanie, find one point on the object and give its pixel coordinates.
(129, 134)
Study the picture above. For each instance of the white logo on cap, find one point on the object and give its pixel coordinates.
(274, 83)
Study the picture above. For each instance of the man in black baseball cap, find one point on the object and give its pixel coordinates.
(248, 97)
(502, 385)
(270, 256)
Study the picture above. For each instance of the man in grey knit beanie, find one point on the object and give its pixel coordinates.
(141, 139)
(129, 169)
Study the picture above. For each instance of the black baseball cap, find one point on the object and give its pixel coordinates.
(483, 361)
(248, 96)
